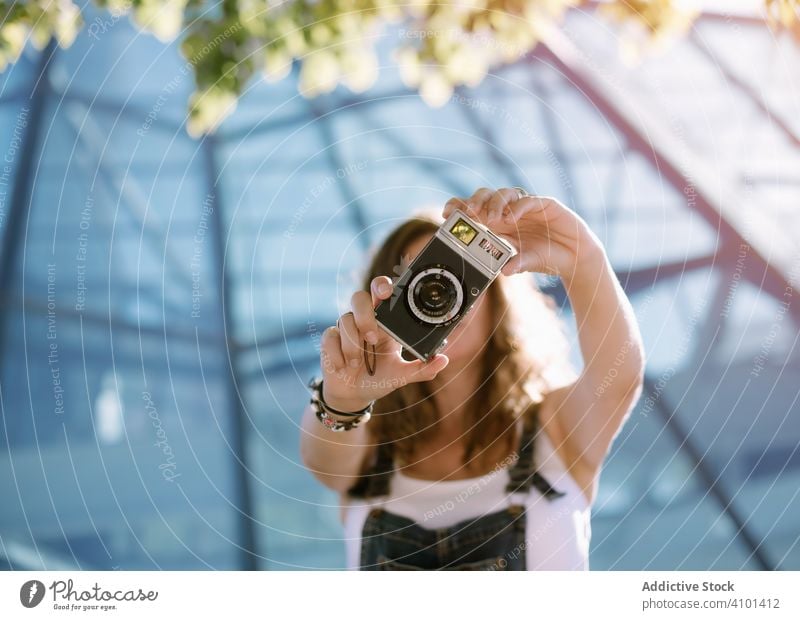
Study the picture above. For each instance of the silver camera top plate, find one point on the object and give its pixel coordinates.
(468, 236)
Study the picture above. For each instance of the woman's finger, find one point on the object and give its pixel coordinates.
(331, 356)
(453, 204)
(380, 289)
(498, 203)
(476, 202)
(516, 210)
(527, 205)
(364, 315)
(351, 340)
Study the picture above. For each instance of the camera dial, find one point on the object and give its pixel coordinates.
(435, 295)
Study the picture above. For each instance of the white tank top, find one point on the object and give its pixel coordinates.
(557, 532)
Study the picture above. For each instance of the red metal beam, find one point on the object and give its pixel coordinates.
(745, 88)
(773, 280)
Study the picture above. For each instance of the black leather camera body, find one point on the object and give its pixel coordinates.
(442, 284)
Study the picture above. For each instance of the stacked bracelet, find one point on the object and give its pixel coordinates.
(327, 415)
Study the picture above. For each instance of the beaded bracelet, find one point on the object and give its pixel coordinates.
(325, 413)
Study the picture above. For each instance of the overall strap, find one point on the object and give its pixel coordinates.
(524, 474)
(375, 482)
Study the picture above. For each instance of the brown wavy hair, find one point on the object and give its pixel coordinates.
(527, 355)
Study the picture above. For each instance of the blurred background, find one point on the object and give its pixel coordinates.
(162, 291)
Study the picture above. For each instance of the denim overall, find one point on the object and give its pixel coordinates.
(495, 541)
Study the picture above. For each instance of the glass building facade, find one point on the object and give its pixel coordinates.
(162, 297)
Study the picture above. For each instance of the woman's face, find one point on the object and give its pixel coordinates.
(467, 339)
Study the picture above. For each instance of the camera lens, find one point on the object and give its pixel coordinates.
(435, 295)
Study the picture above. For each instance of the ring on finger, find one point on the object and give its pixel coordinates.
(521, 192)
(339, 320)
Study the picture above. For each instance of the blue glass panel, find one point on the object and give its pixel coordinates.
(117, 447)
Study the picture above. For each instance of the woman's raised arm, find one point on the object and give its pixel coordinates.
(553, 239)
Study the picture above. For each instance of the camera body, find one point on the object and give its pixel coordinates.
(442, 284)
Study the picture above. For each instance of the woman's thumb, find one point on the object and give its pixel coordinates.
(425, 371)
(514, 265)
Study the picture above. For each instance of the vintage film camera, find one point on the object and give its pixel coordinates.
(442, 284)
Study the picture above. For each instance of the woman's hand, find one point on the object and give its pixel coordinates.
(347, 386)
(549, 237)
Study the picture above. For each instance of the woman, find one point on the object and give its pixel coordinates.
(487, 457)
